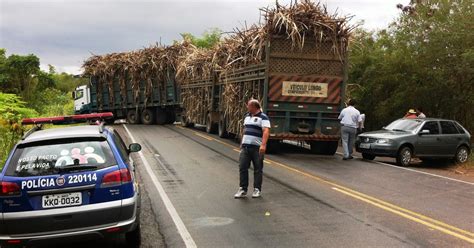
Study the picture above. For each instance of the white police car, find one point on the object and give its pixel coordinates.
(67, 184)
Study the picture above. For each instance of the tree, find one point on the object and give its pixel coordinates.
(423, 59)
(208, 39)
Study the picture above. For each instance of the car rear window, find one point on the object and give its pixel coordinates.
(448, 127)
(48, 158)
(460, 128)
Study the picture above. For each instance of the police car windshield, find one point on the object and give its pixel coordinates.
(407, 125)
(55, 156)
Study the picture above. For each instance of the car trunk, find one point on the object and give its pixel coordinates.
(36, 210)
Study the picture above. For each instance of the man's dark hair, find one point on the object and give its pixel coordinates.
(351, 102)
(420, 109)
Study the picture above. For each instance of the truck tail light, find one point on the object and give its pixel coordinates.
(9, 189)
(115, 178)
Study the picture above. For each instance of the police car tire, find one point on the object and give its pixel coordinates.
(134, 238)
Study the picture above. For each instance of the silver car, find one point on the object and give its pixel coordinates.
(426, 139)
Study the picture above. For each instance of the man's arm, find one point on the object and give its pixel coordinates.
(266, 134)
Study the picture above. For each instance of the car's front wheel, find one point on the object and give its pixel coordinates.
(462, 154)
(134, 238)
(404, 156)
(368, 156)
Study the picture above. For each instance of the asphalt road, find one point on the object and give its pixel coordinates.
(308, 200)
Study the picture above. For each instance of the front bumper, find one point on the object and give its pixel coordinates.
(381, 150)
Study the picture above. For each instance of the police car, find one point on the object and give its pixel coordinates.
(69, 183)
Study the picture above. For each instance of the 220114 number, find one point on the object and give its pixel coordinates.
(82, 178)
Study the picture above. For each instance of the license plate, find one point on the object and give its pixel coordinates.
(364, 146)
(62, 200)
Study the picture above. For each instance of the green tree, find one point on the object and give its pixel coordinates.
(208, 39)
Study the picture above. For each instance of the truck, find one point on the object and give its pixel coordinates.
(301, 90)
(158, 104)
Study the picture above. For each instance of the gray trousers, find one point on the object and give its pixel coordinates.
(247, 155)
(348, 135)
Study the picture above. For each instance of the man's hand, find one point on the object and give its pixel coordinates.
(262, 150)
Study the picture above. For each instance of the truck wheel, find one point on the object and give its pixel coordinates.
(368, 156)
(161, 117)
(462, 154)
(330, 147)
(185, 121)
(222, 127)
(316, 147)
(133, 117)
(273, 147)
(170, 117)
(210, 127)
(404, 156)
(148, 117)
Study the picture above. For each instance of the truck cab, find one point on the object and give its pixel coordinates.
(82, 100)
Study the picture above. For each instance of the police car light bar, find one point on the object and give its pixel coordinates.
(69, 119)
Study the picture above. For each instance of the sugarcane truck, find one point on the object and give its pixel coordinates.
(301, 90)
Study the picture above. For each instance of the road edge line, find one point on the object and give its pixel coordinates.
(182, 230)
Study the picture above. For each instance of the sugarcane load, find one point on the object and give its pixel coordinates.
(293, 62)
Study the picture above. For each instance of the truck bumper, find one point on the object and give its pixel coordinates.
(305, 137)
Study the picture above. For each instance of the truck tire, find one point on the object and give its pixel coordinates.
(170, 117)
(133, 117)
(273, 147)
(316, 147)
(222, 128)
(330, 147)
(148, 116)
(210, 127)
(161, 117)
(185, 121)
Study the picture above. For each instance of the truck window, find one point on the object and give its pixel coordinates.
(448, 127)
(79, 94)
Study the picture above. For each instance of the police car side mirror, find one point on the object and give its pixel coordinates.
(134, 147)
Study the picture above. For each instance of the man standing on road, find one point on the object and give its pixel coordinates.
(252, 149)
(350, 121)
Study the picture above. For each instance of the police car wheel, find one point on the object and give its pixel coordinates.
(134, 238)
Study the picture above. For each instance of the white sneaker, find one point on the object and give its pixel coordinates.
(241, 193)
(256, 193)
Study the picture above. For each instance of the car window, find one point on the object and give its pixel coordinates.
(448, 127)
(432, 126)
(120, 145)
(49, 158)
(460, 128)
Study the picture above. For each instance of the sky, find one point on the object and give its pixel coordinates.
(64, 33)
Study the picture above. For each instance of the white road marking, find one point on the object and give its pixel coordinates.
(417, 171)
(182, 230)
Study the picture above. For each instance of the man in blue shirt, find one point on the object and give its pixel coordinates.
(253, 147)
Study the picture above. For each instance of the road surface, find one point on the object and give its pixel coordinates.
(190, 177)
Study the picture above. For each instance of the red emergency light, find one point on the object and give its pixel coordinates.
(69, 119)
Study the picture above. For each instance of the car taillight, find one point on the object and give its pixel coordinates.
(9, 189)
(115, 178)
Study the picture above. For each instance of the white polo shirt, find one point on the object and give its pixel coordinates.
(350, 117)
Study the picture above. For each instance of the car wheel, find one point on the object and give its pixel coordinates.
(368, 156)
(462, 154)
(404, 156)
(134, 238)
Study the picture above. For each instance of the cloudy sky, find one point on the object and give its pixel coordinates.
(66, 32)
